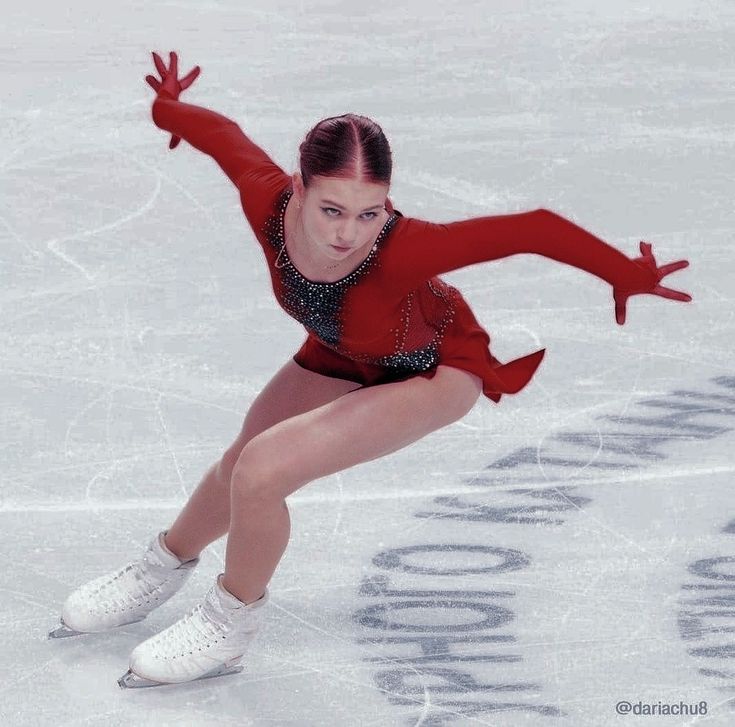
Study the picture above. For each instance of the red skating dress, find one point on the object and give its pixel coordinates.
(392, 317)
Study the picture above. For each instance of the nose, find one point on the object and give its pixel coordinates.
(346, 234)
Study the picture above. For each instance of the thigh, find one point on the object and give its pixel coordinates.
(358, 427)
(293, 390)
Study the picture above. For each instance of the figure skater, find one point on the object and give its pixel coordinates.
(392, 353)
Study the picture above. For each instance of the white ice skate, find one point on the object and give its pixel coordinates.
(127, 595)
(209, 641)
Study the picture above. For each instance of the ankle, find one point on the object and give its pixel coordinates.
(181, 555)
(239, 594)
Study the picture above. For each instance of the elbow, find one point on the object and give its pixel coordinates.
(548, 216)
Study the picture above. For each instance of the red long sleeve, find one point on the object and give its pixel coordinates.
(214, 134)
(428, 249)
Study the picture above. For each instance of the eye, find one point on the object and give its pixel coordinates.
(328, 212)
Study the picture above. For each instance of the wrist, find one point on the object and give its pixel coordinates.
(166, 95)
(642, 279)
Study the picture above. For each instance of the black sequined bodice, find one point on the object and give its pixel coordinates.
(316, 304)
(319, 306)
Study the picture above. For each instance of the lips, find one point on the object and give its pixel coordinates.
(341, 249)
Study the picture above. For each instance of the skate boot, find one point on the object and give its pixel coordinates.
(209, 641)
(127, 595)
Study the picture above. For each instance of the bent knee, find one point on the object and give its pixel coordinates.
(258, 469)
(462, 389)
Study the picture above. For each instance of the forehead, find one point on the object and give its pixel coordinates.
(350, 191)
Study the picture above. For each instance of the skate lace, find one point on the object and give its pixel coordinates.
(208, 628)
(202, 626)
(141, 579)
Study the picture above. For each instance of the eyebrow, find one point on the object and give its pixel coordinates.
(334, 204)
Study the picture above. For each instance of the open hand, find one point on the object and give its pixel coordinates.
(648, 261)
(169, 85)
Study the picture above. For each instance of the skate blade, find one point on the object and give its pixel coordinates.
(63, 631)
(131, 680)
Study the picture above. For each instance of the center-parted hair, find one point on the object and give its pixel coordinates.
(346, 146)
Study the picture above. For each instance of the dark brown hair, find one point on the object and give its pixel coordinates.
(346, 146)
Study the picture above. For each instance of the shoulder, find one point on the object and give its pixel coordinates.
(260, 189)
(262, 178)
(407, 230)
(401, 243)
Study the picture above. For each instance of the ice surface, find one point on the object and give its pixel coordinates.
(532, 564)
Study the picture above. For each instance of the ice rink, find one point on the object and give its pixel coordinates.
(539, 563)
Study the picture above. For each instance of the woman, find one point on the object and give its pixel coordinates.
(392, 354)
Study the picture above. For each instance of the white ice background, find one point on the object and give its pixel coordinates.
(579, 536)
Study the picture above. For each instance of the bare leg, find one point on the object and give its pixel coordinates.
(359, 427)
(206, 516)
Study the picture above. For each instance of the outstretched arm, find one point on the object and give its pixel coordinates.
(433, 248)
(427, 249)
(210, 132)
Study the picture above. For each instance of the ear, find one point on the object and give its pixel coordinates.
(297, 183)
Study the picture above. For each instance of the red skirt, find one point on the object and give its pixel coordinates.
(465, 345)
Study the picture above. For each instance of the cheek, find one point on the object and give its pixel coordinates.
(314, 225)
(321, 227)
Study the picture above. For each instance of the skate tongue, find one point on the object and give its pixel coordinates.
(163, 554)
(228, 600)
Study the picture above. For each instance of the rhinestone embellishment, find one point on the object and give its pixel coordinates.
(319, 306)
